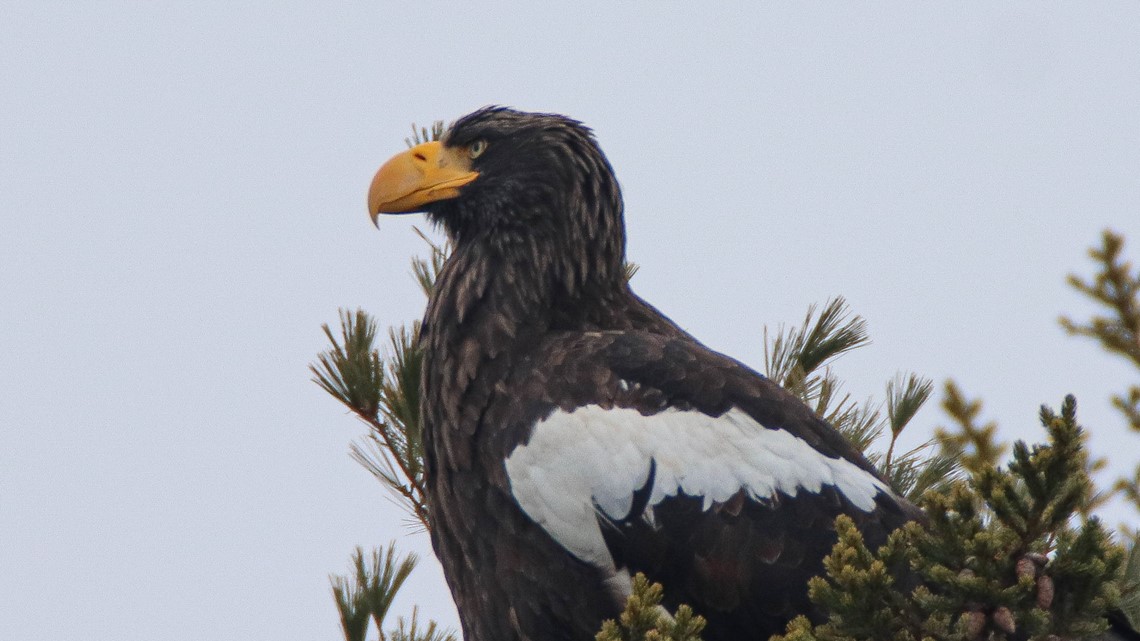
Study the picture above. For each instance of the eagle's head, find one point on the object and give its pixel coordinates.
(502, 175)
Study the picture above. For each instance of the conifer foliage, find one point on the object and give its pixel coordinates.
(800, 359)
(998, 559)
(366, 596)
(382, 391)
(1116, 288)
(645, 620)
(975, 446)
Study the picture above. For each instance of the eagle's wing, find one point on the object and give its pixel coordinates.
(651, 453)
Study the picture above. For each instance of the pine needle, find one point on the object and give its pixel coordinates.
(1002, 557)
(800, 360)
(352, 606)
(1117, 289)
(644, 619)
(411, 631)
(350, 370)
(423, 134)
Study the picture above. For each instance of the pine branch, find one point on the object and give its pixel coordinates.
(1130, 585)
(352, 606)
(644, 619)
(923, 467)
(1129, 405)
(999, 558)
(410, 630)
(918, 471)
(978, 450)
(381, 579)
(423, 134)
(905, 396)
(799, 359)
(795, 354)
(368, 595)
(976, 446)
(1117, 289)
(350, 370)
(394, 451)
(384, 393)
(426, 270)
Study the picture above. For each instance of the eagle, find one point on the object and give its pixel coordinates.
(575, 435)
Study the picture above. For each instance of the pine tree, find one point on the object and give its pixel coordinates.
(999, 558)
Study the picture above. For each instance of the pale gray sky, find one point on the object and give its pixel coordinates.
(182, 196)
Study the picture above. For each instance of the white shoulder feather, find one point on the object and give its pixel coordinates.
(594, 459)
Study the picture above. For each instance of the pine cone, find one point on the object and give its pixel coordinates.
(1026, 567)
(1003, 619)
(975, 623)
(1045, 592)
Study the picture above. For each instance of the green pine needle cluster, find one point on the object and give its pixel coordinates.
(978, 449)
(351, 370)
(382, 391)
(410, 630)
(393, 449)
(367, 595)
(644, 619)
(1116, 288)
(423, 134)
(800, 359)
(1003, 556)
(1130, 588)
(976, 446)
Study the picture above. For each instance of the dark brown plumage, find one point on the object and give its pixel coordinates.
(539, 362)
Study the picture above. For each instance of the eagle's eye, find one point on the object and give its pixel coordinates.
(477, 148)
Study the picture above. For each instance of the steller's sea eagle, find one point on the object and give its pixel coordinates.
(575, 435)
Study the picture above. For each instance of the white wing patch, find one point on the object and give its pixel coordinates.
(595, 459)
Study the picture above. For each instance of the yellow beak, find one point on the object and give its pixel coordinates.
(421, 175)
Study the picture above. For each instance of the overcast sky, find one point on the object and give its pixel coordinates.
(182, 191)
